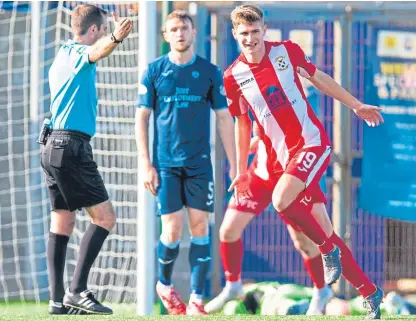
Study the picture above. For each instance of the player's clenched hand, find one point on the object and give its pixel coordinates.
(122, 28)
(151, 180)
(241, 187)
(371, 114)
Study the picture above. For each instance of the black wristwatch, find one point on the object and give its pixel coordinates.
(113, 39)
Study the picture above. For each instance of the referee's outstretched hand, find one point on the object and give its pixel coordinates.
(123, 26)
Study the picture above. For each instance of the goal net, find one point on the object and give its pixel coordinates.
(24, 211)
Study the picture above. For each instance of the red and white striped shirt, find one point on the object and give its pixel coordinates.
(273, 92)
(259, 163)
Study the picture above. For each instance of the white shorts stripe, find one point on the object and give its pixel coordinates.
(318, 165)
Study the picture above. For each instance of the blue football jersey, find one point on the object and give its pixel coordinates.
(181, 97)
(73, 93)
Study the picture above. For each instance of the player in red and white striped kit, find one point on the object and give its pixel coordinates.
(264, 79)
(238, 216)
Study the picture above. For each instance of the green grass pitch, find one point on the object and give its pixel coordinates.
(38, 312)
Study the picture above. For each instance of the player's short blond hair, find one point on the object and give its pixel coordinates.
(178, 14)
(246, 13)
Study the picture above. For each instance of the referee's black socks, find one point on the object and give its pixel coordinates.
(57, 245)
(89, 248)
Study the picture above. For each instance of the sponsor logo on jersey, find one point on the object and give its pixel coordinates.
(246, 82)
(275, 97)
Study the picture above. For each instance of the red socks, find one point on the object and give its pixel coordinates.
(315, 269)
(351, 270)
(232, 259)
(232, 255)
(299, 212)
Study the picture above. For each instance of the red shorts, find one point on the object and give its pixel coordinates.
(262, 191)
(311, 195)
(309, 164)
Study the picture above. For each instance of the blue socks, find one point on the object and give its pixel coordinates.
(167, 254)
(199, 260)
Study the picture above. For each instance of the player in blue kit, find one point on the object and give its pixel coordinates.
(181, 88)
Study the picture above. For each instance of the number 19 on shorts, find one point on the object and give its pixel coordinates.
(306, 160)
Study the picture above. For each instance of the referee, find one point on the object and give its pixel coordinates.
(71, 174)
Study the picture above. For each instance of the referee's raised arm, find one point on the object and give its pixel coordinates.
(105, 46)
(71, 173)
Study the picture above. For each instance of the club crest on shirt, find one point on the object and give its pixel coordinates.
(281, 63)
(307, 59)
(195, 74)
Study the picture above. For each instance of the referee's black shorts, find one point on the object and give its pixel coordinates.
(71, 173)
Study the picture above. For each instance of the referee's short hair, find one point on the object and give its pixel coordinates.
(84, 16)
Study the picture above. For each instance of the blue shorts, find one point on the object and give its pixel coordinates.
(190, 186)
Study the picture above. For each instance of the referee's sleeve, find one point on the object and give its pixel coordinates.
(146, 94)
(78, 57)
